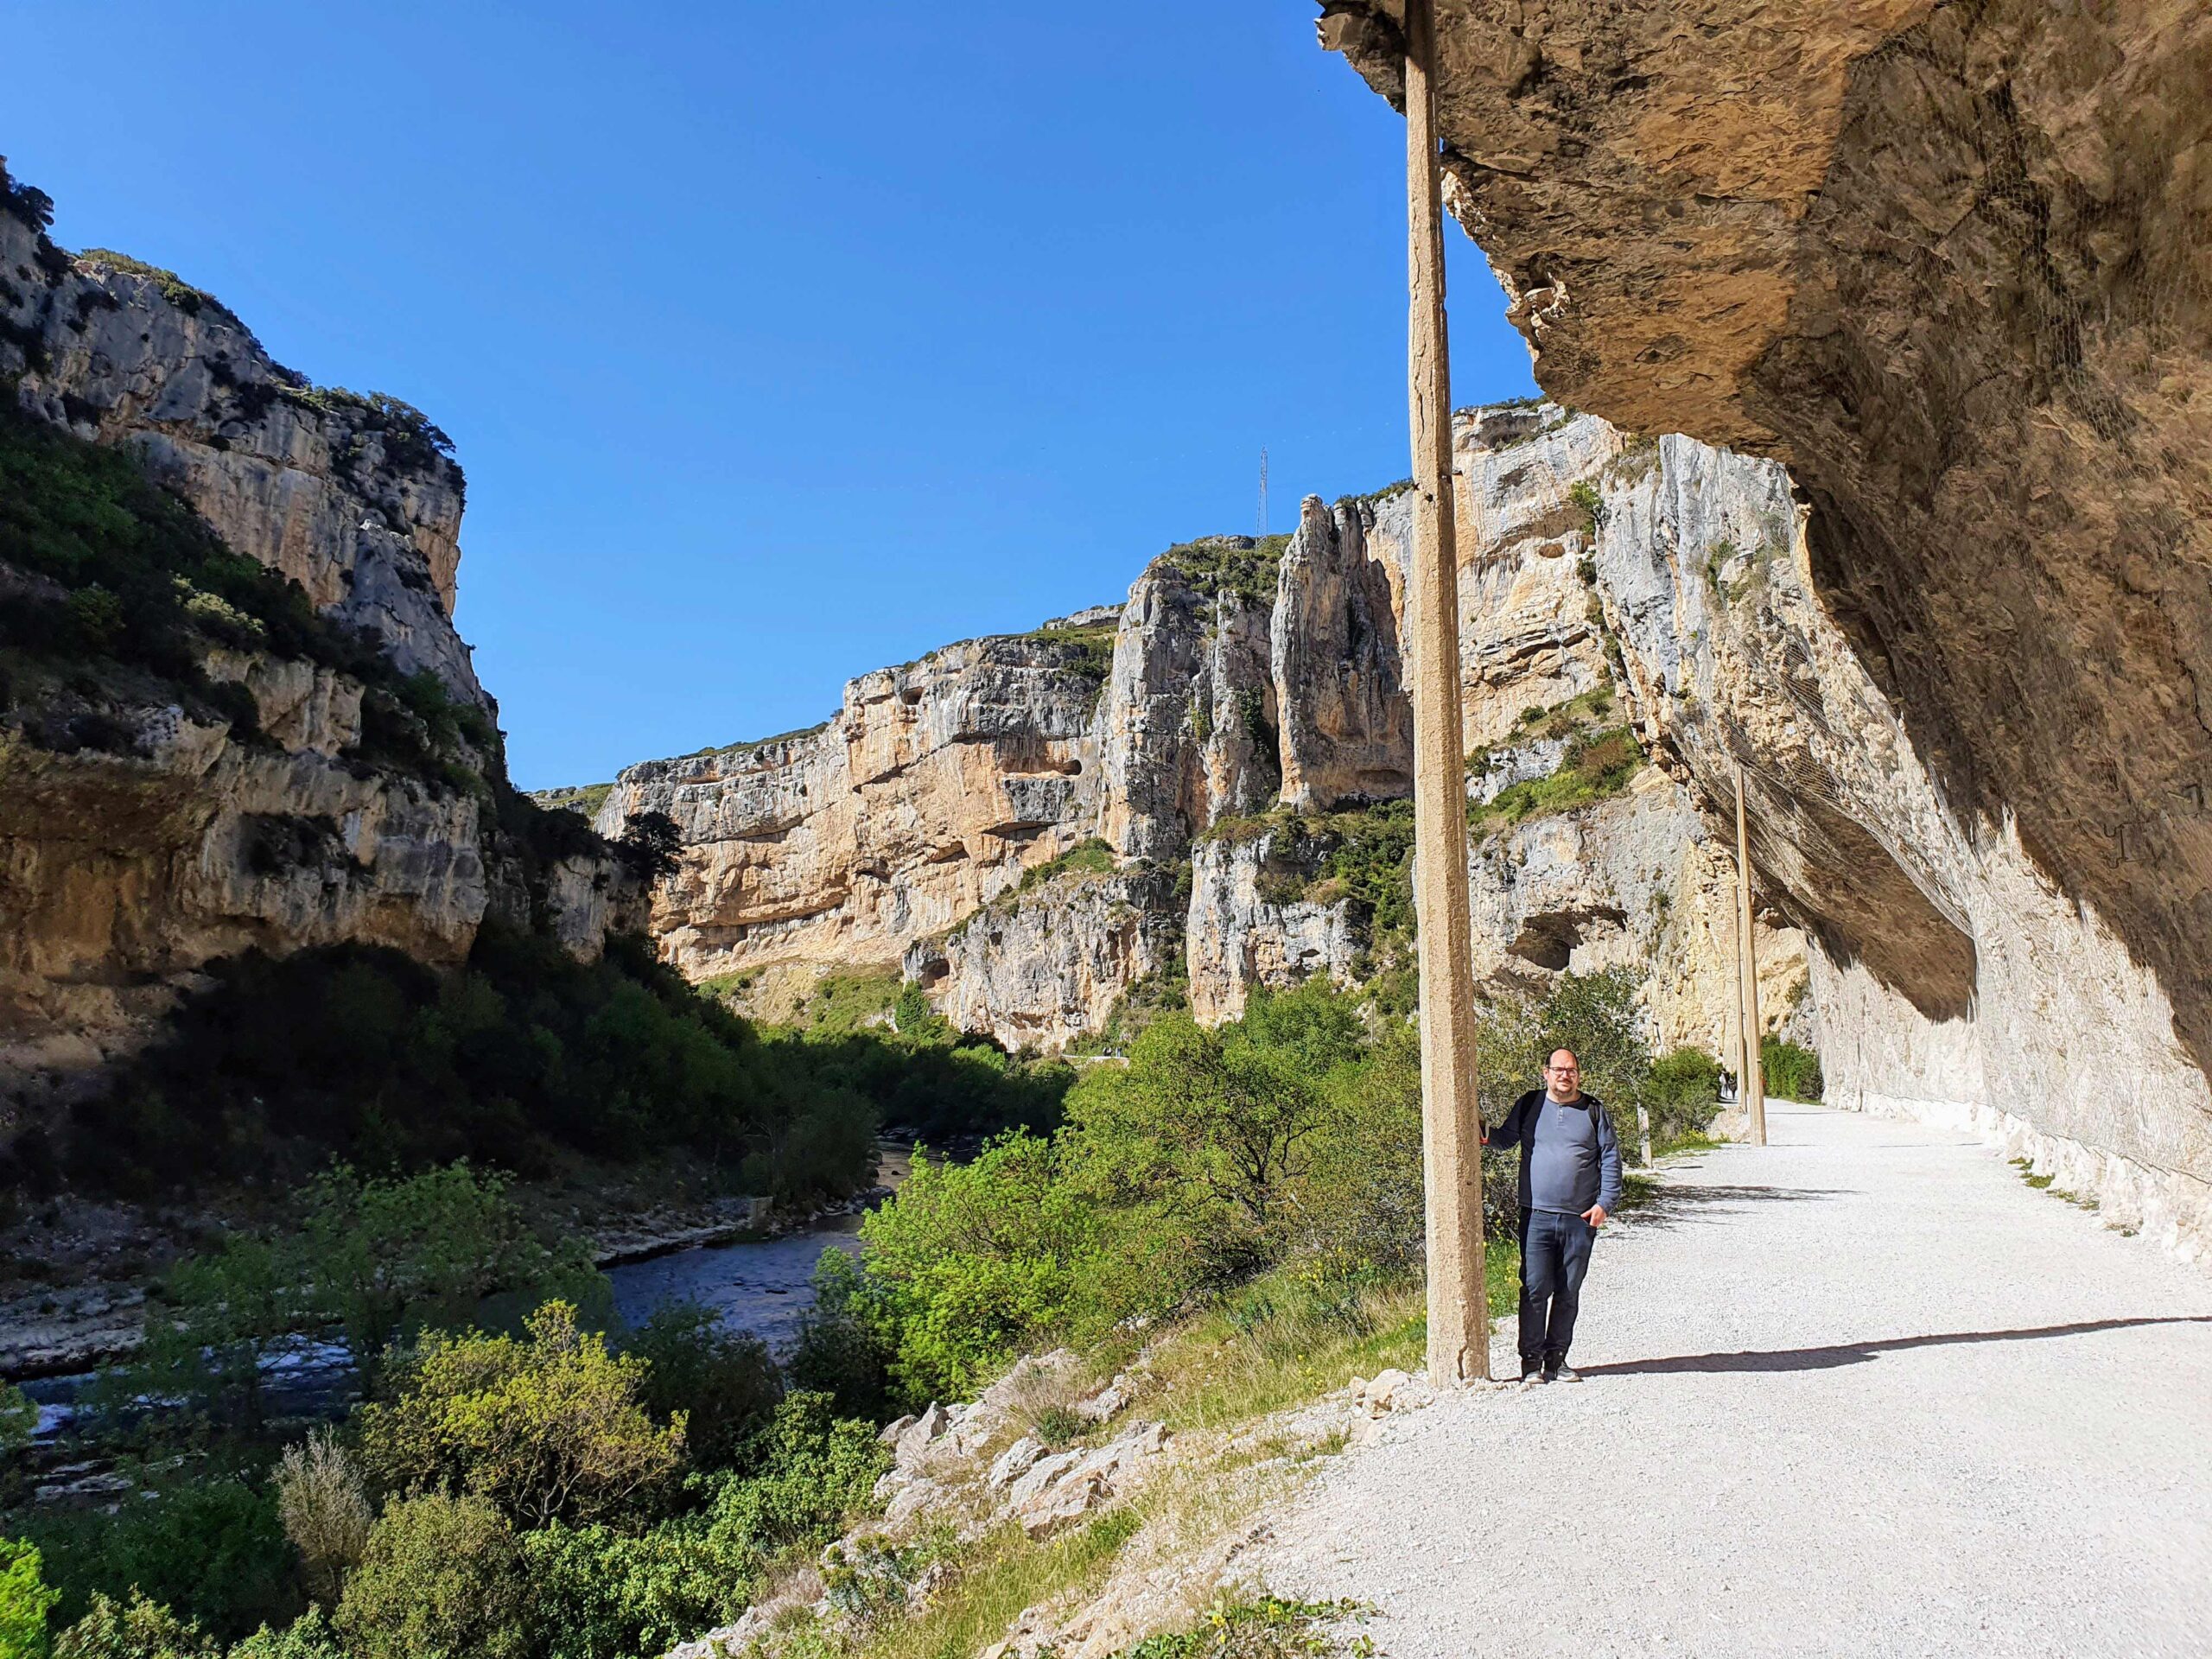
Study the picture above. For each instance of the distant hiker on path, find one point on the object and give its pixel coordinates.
(1570, 1182)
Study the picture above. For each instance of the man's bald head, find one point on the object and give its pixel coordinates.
(1563, 1074)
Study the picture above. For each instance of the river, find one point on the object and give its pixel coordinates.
(761, 1287)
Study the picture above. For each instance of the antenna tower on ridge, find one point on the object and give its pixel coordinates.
(1263, 494)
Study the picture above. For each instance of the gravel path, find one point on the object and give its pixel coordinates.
(1861, 1391)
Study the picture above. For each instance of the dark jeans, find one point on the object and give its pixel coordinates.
(1555, 1254)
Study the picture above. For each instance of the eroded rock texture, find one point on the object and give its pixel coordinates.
(1253, 709)
(354, 499)
(1953, 263)
(932, 791)
(142, 833)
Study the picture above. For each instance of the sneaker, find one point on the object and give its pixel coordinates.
(1532, 1375)
(1561, 1372)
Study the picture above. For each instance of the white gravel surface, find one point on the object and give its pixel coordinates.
(1861, 1391)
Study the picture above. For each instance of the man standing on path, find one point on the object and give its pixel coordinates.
(1570, 1182)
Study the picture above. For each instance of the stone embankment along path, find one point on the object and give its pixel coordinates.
(1862, 1391)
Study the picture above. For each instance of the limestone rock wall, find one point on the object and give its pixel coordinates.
(358, 502)
(1044, 968)
(1256, 920)
(1948, 262)
(1947, 966)
(1235, 687)
(1338, 678)
(130, 858)
(932, 790)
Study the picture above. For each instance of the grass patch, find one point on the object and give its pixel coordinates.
(1262, 1627)
(1289, 1337)
(584, 799)
(2045, 1184)
(1087, 653)
(1599, 765)
(758, 742)
(1005, 1574)
(1376, 497)
(1363, 854)
(1091, 857)
(844, 1003)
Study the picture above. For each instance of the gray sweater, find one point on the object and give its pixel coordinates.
(1569, 1157)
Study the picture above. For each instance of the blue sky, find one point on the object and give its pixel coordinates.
(779, 341)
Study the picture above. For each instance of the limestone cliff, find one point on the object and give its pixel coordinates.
(927, 795)
(1028, 842)
(213, 760)
(1947, 261)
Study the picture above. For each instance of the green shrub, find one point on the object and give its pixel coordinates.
(308, 1636)
(546, 1428)
(25, 1600)
(18, 1418)
(801, 1479)
(213, 1549)
(1590, 506)
(383, 1256)
(841, 1351)
(1684, 1093)
(1245, 566)
(137, 1628)
(1212, 1131)
(724, 1384)
(599, 1593)
(973, 1259)
(1792, 1070)
(325, 1512)
(1598, 766)
(361, 1052)
(1361, 1211)
(442, 1578)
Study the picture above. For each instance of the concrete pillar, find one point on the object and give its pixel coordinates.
(1459, 1318)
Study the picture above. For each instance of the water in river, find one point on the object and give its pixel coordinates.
(760, 1286)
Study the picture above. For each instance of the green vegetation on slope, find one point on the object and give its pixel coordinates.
(1213, 1155)
(875, 1038)
(1091, 857)
(1364, 854)
(516, 1495)
(130, 590)
(1087, 653)
(1249, 1197)
(179, 293)
(1601, 761)
(519, 1057)
(1242, 565)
